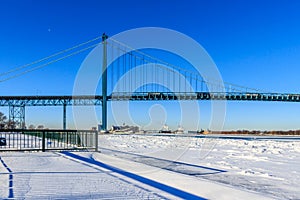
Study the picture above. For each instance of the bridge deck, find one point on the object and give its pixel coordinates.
(50, 100)
(231, 96)
(88, 100)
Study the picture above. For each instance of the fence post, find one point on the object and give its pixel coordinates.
(96, 141)
(43, 141)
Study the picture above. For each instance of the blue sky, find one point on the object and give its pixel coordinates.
(253, 43)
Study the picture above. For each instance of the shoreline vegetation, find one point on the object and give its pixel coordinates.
(254, 132)
(210, 132)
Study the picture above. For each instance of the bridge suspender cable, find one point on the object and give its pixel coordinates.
(162, 64)
(130, 53)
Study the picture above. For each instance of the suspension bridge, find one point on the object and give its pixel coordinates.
(132, 76)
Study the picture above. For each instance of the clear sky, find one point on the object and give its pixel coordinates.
(254, 43)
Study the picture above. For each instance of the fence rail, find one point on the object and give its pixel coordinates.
(43, 140)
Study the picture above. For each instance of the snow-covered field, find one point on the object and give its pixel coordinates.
(157, 167)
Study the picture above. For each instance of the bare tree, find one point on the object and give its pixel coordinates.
(11, 124)
(3, 119)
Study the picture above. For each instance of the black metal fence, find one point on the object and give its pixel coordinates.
(43, 140)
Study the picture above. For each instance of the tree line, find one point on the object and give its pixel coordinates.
(8, 124)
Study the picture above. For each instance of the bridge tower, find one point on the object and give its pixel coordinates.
(104, 82)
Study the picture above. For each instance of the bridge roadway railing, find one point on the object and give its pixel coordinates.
(89, 100)
(43, 140)
(231, 96)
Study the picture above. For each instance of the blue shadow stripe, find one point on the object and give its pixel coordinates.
(10, 180)
(155, 184)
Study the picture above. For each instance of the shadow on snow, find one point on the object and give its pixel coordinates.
(155, 184)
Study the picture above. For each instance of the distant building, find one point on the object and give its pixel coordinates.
(124, 129)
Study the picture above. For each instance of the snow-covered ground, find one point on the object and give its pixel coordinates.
(157, 167)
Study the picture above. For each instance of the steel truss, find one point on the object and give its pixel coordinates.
(16, 116)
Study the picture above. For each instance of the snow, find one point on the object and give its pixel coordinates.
(267, 166)
(157, 167)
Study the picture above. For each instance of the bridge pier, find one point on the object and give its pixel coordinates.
(64, 116)
(16, 116)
